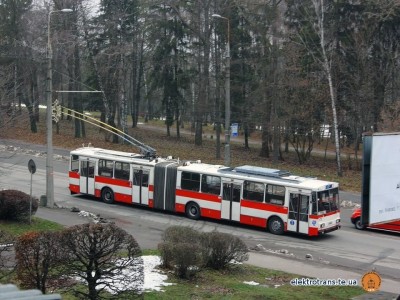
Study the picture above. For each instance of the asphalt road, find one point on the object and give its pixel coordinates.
(347, 249)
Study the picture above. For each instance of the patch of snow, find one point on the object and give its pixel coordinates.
(346, 203)
(259, 247)
(235, 262)
(282, 251)
(251, 282)
(95, 218)
(86, 214)
(153, 278)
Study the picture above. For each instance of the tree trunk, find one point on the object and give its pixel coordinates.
(320, 12)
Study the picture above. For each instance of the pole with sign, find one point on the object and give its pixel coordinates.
(235, 129)
(32, 170)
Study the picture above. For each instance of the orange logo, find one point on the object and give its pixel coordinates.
(371, 282)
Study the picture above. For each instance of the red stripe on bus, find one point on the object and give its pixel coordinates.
(264, 206)
(74, 175)
(123, 198)
(313, 231)
(260, 222)
(151, 203)
(210, 213)
(119, 182)
(179, 208)
(74, 188)
(198, 195)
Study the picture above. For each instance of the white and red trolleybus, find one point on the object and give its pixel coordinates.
(256, 196)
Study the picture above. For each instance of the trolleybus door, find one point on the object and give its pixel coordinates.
(298, 213)
(86, 181)
(230, 208)
(140, 185)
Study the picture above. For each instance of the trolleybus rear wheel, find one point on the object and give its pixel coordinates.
(107, 195)
(275, 225)
(193, 211)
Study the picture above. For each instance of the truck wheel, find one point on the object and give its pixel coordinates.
(193, 211)
(358, 224)
(275, 225)
(107, 195)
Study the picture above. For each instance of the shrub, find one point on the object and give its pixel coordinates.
(219, 249)
(181, 251)
(183, 258)
(181, 234)
(14, 205)
(174, 235)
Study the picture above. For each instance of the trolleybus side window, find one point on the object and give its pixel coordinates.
(75, 163)
(87, 168)
(140, 177)
(145, 179)
(106, 168)
(275, 194)
(236, 193)
(253, 191)
(231, 192)
(121, 170)
(190, 181)
(314, 202)
(211, 184)
(304, 204)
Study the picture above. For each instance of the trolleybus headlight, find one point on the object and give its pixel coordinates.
(337, 220)
(322, 225)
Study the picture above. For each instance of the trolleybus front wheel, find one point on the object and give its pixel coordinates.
(275, 225)
(107, 195)
(192, 211)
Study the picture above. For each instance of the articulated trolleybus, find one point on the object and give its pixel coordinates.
(262, 197)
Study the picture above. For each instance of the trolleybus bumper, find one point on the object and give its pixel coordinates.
(326, 230)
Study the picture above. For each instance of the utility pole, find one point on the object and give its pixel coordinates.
(227, 149)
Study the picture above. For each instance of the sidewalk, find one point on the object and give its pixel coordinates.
(390, 289)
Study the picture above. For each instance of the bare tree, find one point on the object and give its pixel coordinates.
(99, 255)
(37, 254)
(326, 63)
(6, 245)
(315, 37)
(6, 105)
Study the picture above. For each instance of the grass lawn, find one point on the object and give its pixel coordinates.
(239, 282)
(18, 228)
(230, 284)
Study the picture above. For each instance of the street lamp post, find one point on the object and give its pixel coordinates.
(227, 152)
(49, 119)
